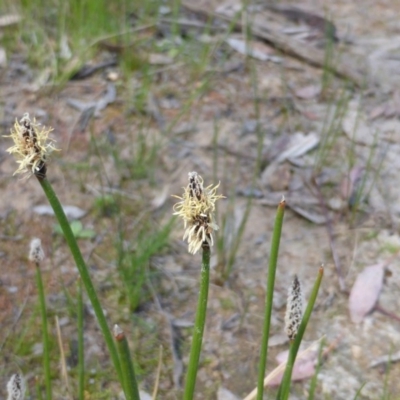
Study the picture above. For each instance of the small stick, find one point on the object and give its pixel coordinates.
(157, 382)
(64, 372)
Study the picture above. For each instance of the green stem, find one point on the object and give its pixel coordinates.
(81, 359)
(198, 326)
(46, 344)
(313, 383)
(273, 260)
(38, 390)
(128, 372)
(83, 271)
(284, 388)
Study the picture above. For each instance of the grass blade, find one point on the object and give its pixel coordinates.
(273, 260)
(83, 271)
(313, 384)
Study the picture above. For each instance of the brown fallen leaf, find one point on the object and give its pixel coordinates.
(310, 353)
(308, 92)
(304, 367)
(299, 145)
(10, 19)
(252, 49)
(385, 359)
(159, 59)
(225, 394)
(365, 291)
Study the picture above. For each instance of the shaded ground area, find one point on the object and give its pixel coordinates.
(267, 124)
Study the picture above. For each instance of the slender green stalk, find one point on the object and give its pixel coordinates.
(81, 359)
(128, 372)
(38, 390)
(359, 391)
(313, 383)
(283, 393)
(273, 260)
(198, 329)
(46, 343)
(83, 271)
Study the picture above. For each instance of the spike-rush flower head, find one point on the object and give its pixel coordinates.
(16, 387)
(294, 308)
(196, 208)
(32, 146)
(36, 253)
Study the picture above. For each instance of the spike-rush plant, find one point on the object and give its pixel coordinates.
(32, 148)
(196, 208)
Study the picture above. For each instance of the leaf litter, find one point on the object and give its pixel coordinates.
(365, 292)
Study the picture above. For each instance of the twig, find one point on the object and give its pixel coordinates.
(64, 373)
(157, 382)
(123, 32)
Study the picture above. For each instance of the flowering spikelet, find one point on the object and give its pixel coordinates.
(16, 387)
(196, 208)
(294, 309)
(36, 253)
(32, 146)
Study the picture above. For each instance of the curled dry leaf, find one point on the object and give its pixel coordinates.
(365, 291)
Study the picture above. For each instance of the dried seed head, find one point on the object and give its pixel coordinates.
(36, 253)
(196, 208)
(195, 185)
(16, 387)
(32, 146)
(118, 333)
(294, 309)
